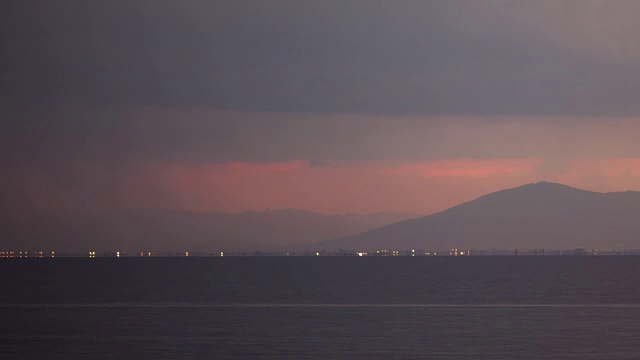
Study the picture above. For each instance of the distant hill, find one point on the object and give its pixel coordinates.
(541, 215)
(152, 230)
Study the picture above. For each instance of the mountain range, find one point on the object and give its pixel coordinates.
(533, 216)
(540, 215)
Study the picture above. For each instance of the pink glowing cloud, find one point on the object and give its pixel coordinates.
(342, 187)
(602, 174)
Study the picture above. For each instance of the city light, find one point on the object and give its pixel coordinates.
(355, 252)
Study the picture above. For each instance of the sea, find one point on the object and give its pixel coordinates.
(475, 307)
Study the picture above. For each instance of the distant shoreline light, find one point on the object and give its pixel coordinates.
(453, 252)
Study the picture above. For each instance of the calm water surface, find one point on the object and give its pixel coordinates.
(314, 307)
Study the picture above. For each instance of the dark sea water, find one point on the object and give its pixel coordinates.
(321, 307)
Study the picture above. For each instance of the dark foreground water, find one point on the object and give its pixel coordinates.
(314, 307)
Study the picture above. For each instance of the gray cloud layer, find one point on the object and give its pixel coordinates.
(90, 89)
(148, 72)
(419, 57)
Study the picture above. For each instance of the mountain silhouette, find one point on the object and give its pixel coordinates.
(541, 215)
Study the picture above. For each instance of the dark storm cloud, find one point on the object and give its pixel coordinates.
(116, 82)
(332, 105)
(112, 83)
(419, 57)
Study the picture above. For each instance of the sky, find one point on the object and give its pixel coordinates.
(331, 106)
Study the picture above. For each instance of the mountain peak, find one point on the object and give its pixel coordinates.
(537, 215)
(546, 186)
